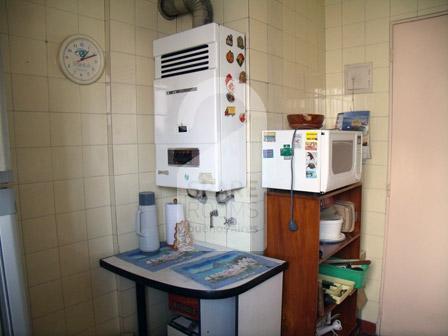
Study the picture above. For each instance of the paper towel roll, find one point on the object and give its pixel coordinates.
(174, 213)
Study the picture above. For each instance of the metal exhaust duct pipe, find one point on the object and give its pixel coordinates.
(201, 10)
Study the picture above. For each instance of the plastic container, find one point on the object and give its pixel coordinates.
(330, 228)
(359, 277)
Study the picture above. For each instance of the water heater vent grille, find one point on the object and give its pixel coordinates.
(185, 61)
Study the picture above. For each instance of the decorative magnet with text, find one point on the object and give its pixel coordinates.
(229, 40)
(240, 59)
(229, 57)
(240, 42)
(230, 111)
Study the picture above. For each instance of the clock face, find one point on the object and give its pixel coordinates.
(81, 59)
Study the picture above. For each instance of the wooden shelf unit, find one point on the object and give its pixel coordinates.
(301, 250)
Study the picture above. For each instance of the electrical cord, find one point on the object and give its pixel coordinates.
(292, 224)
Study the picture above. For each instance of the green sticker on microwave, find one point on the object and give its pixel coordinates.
(286, 150)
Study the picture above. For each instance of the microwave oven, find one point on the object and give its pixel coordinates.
(320, 160)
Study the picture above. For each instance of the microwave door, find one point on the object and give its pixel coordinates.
(342, 160)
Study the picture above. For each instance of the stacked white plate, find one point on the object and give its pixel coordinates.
(330, 230)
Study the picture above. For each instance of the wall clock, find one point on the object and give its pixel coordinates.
(81, 59)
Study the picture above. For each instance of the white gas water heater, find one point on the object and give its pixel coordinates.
(200, 110)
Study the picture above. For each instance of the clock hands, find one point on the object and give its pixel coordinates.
(85, 57)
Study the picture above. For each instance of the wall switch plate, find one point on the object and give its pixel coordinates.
(358, 78)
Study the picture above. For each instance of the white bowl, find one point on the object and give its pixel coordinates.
(330, 229)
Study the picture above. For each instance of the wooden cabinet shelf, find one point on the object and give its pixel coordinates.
(301, 249)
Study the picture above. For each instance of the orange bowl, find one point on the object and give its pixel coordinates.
(305, 121)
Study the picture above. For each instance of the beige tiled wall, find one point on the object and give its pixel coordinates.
(357, 31)
(60, 145)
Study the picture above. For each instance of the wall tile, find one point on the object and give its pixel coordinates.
(122, 37)
(65, 129)
(71, 227)
(146, 158)
(106, 307)
(93, 98)
(94, 129)
(143, 41)
(36, 200)
(34, 165)
(60, 24)
(124, 98)
(31, 129)
(100, 248)
(236, 9)
(94, 28)
(124, 129)
(46, 298)
(258, 64)
(352, 11)
(74, 258)
(376, 9)
(67, 5)
(123, 10)
(95, 161)
(67, 162)
(69, 195)
(398, 7)
(76, 289)
(125, 159)
(64, 96)
(333, 38)
(79, 317)
(126, 218)
(26, 19)
(144, 68)
(99, 222)
(145, 129)
(52, 323)
(123, 68)
(258, 9)
(28, 56)
(333, 15)
(103, 282)
(146, 14)
(30, 93)
(126, 189)
(377, 31)
(353, 35)
(145, 100)
(275, 14)
(42, 266)
(92, 8)
(97, 191)
(39, 234)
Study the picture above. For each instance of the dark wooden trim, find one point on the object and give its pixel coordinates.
(196, 293)
(367, 328)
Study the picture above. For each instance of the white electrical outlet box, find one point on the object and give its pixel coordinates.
(358, 78)
(200, 111)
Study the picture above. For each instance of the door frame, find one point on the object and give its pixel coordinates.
(389, 147)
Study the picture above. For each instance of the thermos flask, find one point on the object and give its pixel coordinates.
(146, 225)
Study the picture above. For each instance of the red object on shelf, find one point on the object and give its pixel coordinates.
(185, 306)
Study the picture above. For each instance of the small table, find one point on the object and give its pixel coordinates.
(251, 306)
